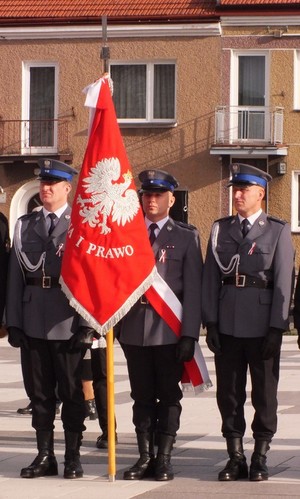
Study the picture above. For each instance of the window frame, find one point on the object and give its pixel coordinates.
(295, 201)
(234, 73)
(149, 120)
(25, 147)
(234, 90)
(296, 80)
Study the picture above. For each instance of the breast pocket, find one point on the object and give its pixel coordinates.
(32, 247)
(260, 257)
(33, 250)
(169, 261)
(226, 251)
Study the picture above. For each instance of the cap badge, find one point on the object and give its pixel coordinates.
(235, 168)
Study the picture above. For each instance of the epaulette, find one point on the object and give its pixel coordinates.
(185, 225)
(230, 217)
(27, 215)
(275, 219)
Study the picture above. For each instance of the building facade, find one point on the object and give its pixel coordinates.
(196, 86)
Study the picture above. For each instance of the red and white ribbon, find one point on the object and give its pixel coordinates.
(166, 304)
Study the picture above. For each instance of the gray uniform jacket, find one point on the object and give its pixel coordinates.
(40, 313)
(179, 261)
(266, 253)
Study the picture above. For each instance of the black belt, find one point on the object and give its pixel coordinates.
(45, 282)
(245, 281)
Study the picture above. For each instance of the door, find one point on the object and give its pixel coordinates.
(250, 117)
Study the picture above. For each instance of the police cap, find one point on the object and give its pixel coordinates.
(51, 169)
(242, 174)
(157, 181)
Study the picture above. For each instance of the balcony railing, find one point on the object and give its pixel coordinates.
(23, 137)
(248, 125)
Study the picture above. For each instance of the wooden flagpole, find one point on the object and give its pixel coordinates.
(109, 336)
(111, 406)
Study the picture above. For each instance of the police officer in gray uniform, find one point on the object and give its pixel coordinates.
(154, 354)
(247, 284)
(40, 320)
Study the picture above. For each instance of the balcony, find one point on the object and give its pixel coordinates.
(250, 129)
(29, 138)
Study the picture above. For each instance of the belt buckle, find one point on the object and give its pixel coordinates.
(143, 300)
(46, 282)
(240, 281)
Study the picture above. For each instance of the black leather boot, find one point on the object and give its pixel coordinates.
(45, 463)
(73, 468)
(144, 467)
(102, 440)
(163, 466)
(25, 410)
(236, 467)
(258, 468)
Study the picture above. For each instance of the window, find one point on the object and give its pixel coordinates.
(144, 92)
(297, 80)
(39, 132)
(249, 96)
(179, 210)
(251, 80)
(295, 225)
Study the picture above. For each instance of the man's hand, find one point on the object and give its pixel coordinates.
(272, 343)
(17, 338)
(185, 349)
(213, 338)
(83, 339)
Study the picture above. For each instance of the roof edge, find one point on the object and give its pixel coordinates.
(42, 21)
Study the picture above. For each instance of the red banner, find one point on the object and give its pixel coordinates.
(108, 262)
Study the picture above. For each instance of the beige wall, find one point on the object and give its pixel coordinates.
(203, 78)
(281, 87)
(183, 150)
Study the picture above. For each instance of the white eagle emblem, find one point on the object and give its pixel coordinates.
(107, 196)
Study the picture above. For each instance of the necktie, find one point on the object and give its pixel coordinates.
(152, 236)
(245, 227)
(53, 219)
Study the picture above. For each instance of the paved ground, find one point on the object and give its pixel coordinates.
(198, 456)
